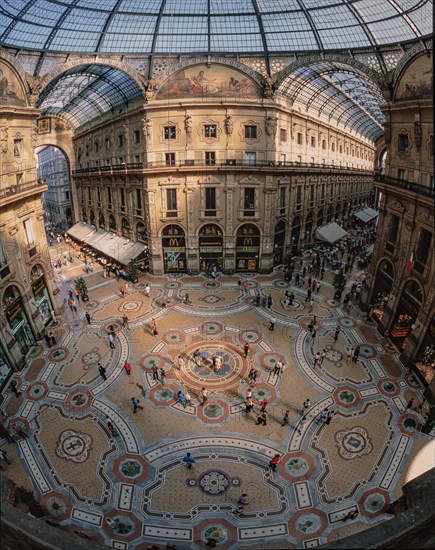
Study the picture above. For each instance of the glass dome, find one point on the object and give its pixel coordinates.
(211, 26)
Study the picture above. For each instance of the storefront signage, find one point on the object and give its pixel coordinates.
(247, 249)
(214, 249)
(14, 310)
(38, 285)
(174, 249)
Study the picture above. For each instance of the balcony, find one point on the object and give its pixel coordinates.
(12, 193)
(227, 164)
(423, 190)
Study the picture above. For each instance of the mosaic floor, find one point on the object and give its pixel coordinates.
(83, 474)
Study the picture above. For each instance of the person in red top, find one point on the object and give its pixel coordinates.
(246, 349)
(274, 462)
(264, 405)
(127, 368)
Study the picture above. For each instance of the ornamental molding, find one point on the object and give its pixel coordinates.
(322, 58)
(16, 65)
(420, 47)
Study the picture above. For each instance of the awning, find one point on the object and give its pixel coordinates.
(81, 231)
(366, 214)
(93, 239)
(131, 252)
(330, 233)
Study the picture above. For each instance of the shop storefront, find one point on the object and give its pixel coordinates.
(409, 305)
(174, 249)
(247, 248)
(17, 319)
(5, 368)
(425, 362)
(279, 243)
(382, 288)
(42, 299)
(211, 246)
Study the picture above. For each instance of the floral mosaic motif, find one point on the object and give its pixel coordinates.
(226, 359)
(130, 468)
(309, 523)
(389, 387)
(123, 526)
(249, 336)
(261, 393)
(346, 396)
(269, 360)
(174, 337)
(37, 390)
(91, 358)
(150, 360)
(130, 306)
(55, 506)
(375, 502)
(191, 482)
(164, 395)
(333, 355)
(79, 399)
(74, 446)
(217, 532)
(213, 411)
(214, 482)
(58, 354)
(410, 424)
(211, 299)
(91, 304)
(353, 442)
(212, 328)
(297, 467)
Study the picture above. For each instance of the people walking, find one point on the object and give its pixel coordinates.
(286, 418)
(125, 321)
(127, 368)
(188, 398)
(316, 359)
(269, 301)
(330, 415)
(162, 375)
(147, 290)
(272, 323)
(112, 340)
(122, 292)
(135, 402)
(256, 376)
(204, 395)
(278, 368)
(52, 337)
(73, 306)
(180, 361)
(273, 464)
(322, 417)
(181, 398)
(251, 375)
(262, 418)
(301, 424)
(322, 356)
(155, 371)
(306, 406)
(154, 330)
(13, 387)
(246, 349)
(356, 353)
(249, 404)
(189, 461)
(243, 499)
(264, 405)
(102, 371)
(196, 355)
(88, 317)
(337, 332)
(4, 458)
(410, 404)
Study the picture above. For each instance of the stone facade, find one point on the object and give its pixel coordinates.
(401, 279)
(27, 289)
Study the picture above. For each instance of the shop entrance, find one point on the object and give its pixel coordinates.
(211, 246)
(279, 243)
(247, 247)
(409, 305)
(174, 249)
(17, 318)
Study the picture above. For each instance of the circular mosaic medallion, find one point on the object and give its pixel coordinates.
(269, 360)
(261, 393)
(346, 322)
(35, 351)
(130, 468)
(79, 399)
(37, 391)
(58, 354)
(297, 467)
(123, 525)
(389, 387)
(174, 337)
(375, 502)
(213, 410)
(346, 396)
(353, 442)
(333, 355)
(91, 304)
(281, 284)
(113, 326)
(91, 358)
(250, 336)
(309, 523)
(55, 506)
(172, 284)
(76, 325)
(217, 532)
(410, 424)
(214, 482)
(212, 328)
(74, 446)
(148, 361)
(164, 395)
(130, 306)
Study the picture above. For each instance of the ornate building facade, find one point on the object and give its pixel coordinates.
(28, 292)
(401, 281)
(213, 172)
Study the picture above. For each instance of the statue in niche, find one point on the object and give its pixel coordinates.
(147, 128)
(188, 125)
(271, 126)
(229, 125)
(149, 93)
(4, 140)
(417, 133)
(34, 137)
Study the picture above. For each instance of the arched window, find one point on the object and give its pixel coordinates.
(125, 228)
(112, 223)
(141, 234)
(101, 220)
(36, 272)
(11, 294)
(92, 217)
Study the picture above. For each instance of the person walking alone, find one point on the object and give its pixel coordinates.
(189, 461)
(127, 368)
(88, 317)
(246, 349)
(337, 332)
(135, 404)
(102, 371)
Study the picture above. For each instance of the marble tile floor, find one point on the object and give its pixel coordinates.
(82, 474)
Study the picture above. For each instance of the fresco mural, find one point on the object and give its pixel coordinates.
(204, 81)
(11, 92)
(416, 81)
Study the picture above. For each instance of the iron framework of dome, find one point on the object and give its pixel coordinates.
(210, 26)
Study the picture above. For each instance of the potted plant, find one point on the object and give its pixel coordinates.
(133, 271)
(82, 288)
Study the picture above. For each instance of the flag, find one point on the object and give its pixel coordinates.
(411, 262)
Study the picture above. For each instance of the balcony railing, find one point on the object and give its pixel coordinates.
(12, 190)
(280, 165)
(404, 184)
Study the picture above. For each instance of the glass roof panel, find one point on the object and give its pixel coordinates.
(247, 43)
(299, 41)
(385, 21)
(186, 6)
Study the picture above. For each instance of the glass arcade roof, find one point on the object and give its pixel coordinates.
(210, 26)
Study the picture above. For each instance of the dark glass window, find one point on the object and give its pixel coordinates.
(210, 130)
(169, 132)
(251, 132)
